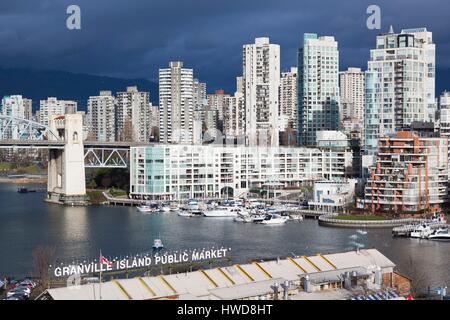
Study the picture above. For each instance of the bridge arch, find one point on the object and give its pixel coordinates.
(14, 128)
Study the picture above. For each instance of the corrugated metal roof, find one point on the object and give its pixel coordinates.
(240, 279)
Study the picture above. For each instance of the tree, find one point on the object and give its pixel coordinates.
(42, 259)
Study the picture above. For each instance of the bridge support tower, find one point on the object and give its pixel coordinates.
(66, 173)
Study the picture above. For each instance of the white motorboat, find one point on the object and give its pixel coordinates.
(165, 209)
(422, 231)
(223, 212)
(440, 234)
(296, 217)
(145, 208)
(184, 213)
(274, 219)
(243, 218)
(258, 218)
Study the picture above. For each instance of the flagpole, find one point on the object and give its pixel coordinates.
(100, 286)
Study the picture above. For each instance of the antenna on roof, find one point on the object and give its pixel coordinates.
(391, 29)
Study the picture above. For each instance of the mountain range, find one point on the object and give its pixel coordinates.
(40, 84)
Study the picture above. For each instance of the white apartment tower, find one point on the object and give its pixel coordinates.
(351, 111)
(288, 96)
(176, 104)
(261, 80)
(400, 83)
(132, 115)
(54, 107)
(318, 87)
(101, 117)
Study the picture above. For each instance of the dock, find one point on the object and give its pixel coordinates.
(405, 230)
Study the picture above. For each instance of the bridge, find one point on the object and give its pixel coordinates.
(69, 155)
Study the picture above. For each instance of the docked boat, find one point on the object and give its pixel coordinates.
(274, 219)
(184, 213)
(145, 208)
(440, 234)
(422, 231)
(223, 212)
(165, 209)
(296, 217)
(243, 218)
(258, 218)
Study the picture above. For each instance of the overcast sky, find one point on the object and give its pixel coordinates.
(134, 38)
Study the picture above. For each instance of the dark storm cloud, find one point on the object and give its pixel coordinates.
(133, 38)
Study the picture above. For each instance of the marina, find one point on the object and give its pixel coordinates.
(120, 231)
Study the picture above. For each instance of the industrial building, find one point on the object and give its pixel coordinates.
(356, 275)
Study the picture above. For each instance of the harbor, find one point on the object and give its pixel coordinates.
(122, 230)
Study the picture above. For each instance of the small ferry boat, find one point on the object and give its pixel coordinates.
(25, 190)
(440, 234)
(157, 244)
(274, 219)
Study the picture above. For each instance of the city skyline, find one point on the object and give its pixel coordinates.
(200, 48)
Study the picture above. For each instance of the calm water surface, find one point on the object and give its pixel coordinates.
(26, 222)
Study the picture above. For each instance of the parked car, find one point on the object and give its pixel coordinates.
(28, 283)
(18, 296)
(19, 289)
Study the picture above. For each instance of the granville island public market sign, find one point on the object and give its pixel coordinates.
(139, 262)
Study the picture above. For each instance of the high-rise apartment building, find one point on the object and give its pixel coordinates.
(261, 80)
(101, 117)
(176, 104)
(54, 107)
(400, 81)
(318, 87)
(351, 110)
(218, 101)
(288, 97)
(234, 112)
(132, 115)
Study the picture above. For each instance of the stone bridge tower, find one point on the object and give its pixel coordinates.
(66, 173)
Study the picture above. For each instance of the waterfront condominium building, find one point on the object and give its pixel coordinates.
(288, 97)
(318, 87)
(54, 107)
(261, 80)
(351, 111)
(176, 104)
(410, 174)
(193, 171)
(132, 115)
(400, 81)
(101, 117)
